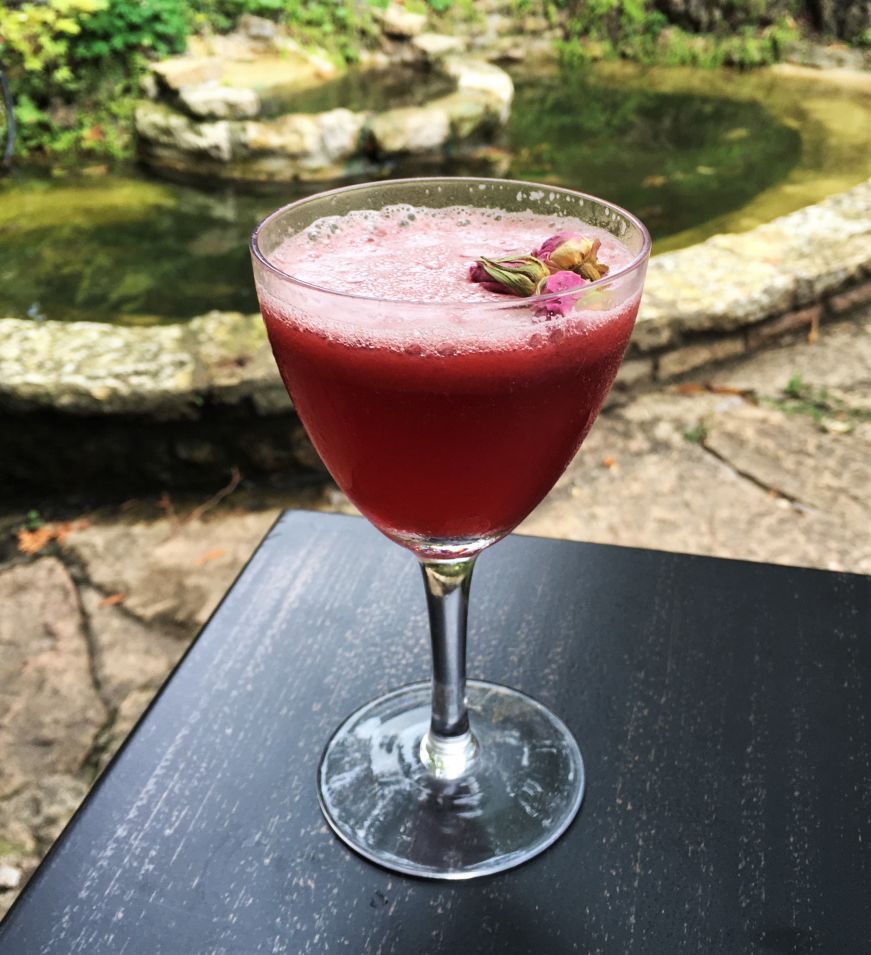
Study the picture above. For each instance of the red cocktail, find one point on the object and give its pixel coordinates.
(443, 423)
(446, 411)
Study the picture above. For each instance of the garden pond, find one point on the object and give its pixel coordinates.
(692, 152)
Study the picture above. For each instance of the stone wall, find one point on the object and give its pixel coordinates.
(182, 404)
(220, 111)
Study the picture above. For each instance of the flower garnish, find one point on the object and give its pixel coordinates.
(517, 275)
(564, 262)
(568, 251)
(562, 281)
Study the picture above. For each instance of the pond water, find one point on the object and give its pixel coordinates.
(692, 152)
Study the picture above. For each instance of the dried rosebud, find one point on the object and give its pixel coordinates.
(559, 282)
(568, 251)
(519, 275)
(478, 274)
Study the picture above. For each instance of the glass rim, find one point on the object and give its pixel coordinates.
(514, 301)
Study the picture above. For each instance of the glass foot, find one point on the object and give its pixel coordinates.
(520, 793)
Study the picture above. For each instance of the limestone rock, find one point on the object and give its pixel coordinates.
(469, 111)
(82, 366)
(168, 572)
(340, 133)
(797, 459)
(87, 367)
(839, 362)
(29, 822)
(180, 71)
(731, 281)
(214, 101)
(10, 876)
(234, 359)
(410, 129)
(34, 817)
(128, 655)
(159, 124)
(295, 134)
(50, 711)
(481, 76)
(257, 28)
(316, 140)
(657, 490)
(682, 360)
(436, 45)
(398, 22)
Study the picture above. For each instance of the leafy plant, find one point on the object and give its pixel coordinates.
(823, 408)
(33, 521)
(635, 30)
(74, 68)
(128, 30)
(697, 434)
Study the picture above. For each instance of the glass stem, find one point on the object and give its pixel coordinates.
(449, 748)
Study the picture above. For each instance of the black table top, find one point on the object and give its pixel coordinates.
(723, 709)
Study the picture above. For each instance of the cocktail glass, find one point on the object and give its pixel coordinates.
(446, 423)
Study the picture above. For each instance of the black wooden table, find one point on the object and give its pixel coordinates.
(723, 709)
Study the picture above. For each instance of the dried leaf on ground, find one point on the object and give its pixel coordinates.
(112, 600)
(32, 542)
(213, 554)
(709, 388)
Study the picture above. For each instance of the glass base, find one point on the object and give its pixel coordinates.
(519, 794)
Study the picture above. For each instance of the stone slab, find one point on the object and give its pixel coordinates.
(682, 360)
(638, 481)
(839, 361)
(215, 101)
(830, 473)
(50, 710)
(410, 129)
(30, 821)
(178, 72)
(128, 656)
(398, 22)
(730, 281)
(164, 370)
(168, 571)
(436, 45)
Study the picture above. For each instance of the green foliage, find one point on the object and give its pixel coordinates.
(337, 25)
(36, 38)
(74, 66)
(633, 29)
(33, 522)
(795, 386)
(824, 409)
(697, 434)
(124, 30)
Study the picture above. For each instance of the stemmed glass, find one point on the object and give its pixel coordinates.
(446, 423)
